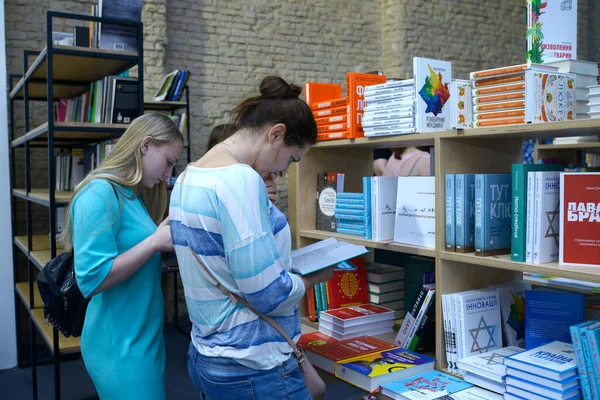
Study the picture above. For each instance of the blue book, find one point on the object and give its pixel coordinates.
(430, 385)
(345, 225)
(367, 215)
(464, 219)
(349, 217)
(531, 391)
(549, 316)
(340, 206)
(350, 196)
(593, 342)
(450, 213)
(344, 221)
(355, 232)
(349, 211)
(555, 361)
(492, 214)
(584, 379)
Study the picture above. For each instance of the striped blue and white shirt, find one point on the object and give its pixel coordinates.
(225, 217)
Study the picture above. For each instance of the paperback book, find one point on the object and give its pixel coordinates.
(432, 79)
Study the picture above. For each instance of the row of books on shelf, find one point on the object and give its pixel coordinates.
(72, 168)
(171, 88)
(431, 100)
(378, 212)
(111, 100)
(538, 214)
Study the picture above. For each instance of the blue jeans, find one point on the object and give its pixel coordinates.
(223, 378)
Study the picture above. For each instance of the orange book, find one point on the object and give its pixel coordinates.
(355, 92)
(332, 127)
(315, 92)
(486, 73)
(499, 122)
(500, 97)
(500, 114)
(329, 103)
(329, 111)
(499, 81)
(332, 135)
(499, 106)
(310, 304)
(331, 120)
(499, 89)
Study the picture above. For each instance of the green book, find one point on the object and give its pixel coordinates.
(519, 205)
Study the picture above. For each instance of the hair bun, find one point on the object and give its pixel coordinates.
(274, 87)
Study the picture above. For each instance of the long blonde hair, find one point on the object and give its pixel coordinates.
(123, 166)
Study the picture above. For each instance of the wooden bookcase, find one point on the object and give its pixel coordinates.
(563, 153)
(485, 150)
(56, 72)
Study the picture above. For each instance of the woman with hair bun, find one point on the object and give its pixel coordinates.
(221, 217)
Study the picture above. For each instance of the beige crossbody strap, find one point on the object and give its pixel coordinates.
(234, 296)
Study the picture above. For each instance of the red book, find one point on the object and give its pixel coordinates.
(329, 103)
(580, 218)
(331, 120)
(355, 92)
(310, 304)
(315, 92)
(332, 135)
(347, 287)
(341, 126)
(312, 340)
(330, 111)
(357, 315)
(326, 356)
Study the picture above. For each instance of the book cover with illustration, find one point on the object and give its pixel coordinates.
(551, 31)
(492, 214)
(328, 185)
(372, 370)
(465, 212)
(580, 218)
(512, 309)
(480, 326)
(432, 79)
(348, 287)
(355, 92)
(427, 386)
(461, 102)
(550, 97)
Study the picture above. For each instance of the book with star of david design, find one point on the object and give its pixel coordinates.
(480, 325)
(546, 217)
(489, 365)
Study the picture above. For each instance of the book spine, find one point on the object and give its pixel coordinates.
(388, 113)
(459, 213)
(497, 71)
(499, 97)
(530, 217)
(351, 217)
(410, 319)
(593, 343)
(355, 232)
(403, 131)
(323, 292)
(405, 121)
(503, 105)
(374, 208)
(331, 120)
(500, 80)
(317, 290)
(499, 122)
(500, 114)
(367, 214)
(450, 213)
(549, 216)
(352, 222)
(332, 135)
(179, 86)
(351, 196)
(587, 357)
(583, 376)
(479, 217)
(519, 203)
(499, 89)
(447, 338)
(423, 329)
(310, 304)
(390, 84)
(349, 211)
(391, 103)
(331, 127)
(389, 94)
(537, 216)
(329, 112)
(329, 103)
(386, 128)
(346, 225)
(343, 206)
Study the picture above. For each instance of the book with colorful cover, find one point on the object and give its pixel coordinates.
(432, 79)
(348, 287)
(551, 31)
(425, 386)
(555, 360)
(464, 219)
(550, 97)
(492, 214)
(355, 92)
(328, 185)
(580, 218)
(512, 310)
(461, 100)
(315, 92)
(373, 370)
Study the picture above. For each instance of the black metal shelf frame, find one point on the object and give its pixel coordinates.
(27, 78)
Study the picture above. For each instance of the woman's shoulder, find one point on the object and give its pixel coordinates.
(98, 190)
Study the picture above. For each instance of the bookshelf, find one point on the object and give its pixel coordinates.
(481, 150)
(564, 153)
(56, 72)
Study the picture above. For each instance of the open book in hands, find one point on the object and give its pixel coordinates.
(323, 254)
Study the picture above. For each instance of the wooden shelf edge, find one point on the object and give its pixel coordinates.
(586, 145)
(583, 273)
(387, 245)
(65, 344)
(22, 289)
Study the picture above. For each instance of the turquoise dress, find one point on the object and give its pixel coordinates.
(122, 342)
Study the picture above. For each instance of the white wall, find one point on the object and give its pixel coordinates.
(8, 342)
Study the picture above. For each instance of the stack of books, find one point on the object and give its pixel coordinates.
(386, 287)
(432, 385)
(390, 108)
(593, 101)
(545, 372)
(320, 97)
(522, 94)
(351, 214)
(585, 337)
(418, 328)
(586, 73)
(171, 88)
(487, 370)
(350, 322)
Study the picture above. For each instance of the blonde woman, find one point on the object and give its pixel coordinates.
(111, 224)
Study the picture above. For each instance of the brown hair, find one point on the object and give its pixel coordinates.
(278, 103)
(220, 133)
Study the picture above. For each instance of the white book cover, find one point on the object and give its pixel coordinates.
(393, 103)
(461, 104)
(530, 217)
(323, 254)
(578, 67)
(390, 84)
(474, 393)
(512, 311)
(555, 360)
(384, 190)
(402, 131)
(547, 217)
(549, 97)
(481, 325)
(551, 33)
(415, 211)
(432, 79)
(489, 384)
(490, 364)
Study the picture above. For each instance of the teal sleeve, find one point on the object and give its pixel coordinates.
(94, 214)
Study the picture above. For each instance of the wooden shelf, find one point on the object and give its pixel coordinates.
(163, 105)
(387, 245)
(583, 273)
(72, 131)
(22, 289)
(413, 139)
(71, 64)
(39, 242)
(65, 345)
(574, 146)
(581, 127)
(42, 196)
